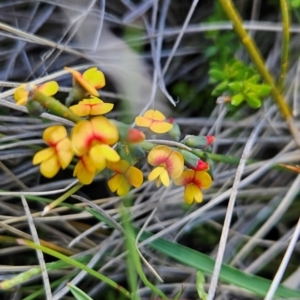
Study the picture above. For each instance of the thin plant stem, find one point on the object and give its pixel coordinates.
(62, 198)
(285, 42)
(54, 106)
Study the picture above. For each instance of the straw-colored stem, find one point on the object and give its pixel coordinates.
(285, 42)
(62, 198)
(258, 61)
(255, 55)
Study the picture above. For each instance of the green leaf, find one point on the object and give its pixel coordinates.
(200, 285)
(236, 86)
(217, 75)
(253, 79)
(101, 217)
(253, 101)
(220, 88)
(204, 263)
(263, 90)
(78, 293)
(237, 99)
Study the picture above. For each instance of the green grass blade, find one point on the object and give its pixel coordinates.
(204, 263)
(78, 293)
(77, 264)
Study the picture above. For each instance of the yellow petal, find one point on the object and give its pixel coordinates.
(93, 100)
(109, 153)
(82, 81)
(189, 194)
(175, 164)
(119, 167)
(164, 178)
(123, 188)
(50, 167)
(64, 152)
(159, 155)
(85, 170)
(185, 178)
(158, 182)
(54, 134)
(143, 122)
(114, 182)
(161, 127)
(104, 130)
(97, 157)
(95, 78)
(21, 95)
(154, 115)
(49, 88)
(81, 138)
(155, 173)
(202, 179)
(198, 195)
(43, 155)
(101, 108)
(22, 101)
(81, 109)
(134, 176)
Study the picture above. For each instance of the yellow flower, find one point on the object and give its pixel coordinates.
(93, 107)
(91, 80)
(58, 155)
(125, 176)
(194, 182)
(93, 138)
(154, 120)
(85, 170)
(21, 94)
(167, 163)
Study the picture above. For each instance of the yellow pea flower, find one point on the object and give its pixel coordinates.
(22, 92)
(93, 107)
(94, 138)
(91, 80)
(168, 163)
(125, 176)
(194, 182)
(154, 120)
(58, 155)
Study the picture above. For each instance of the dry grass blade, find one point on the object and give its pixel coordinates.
(40, 255)
(284, 263)
(230, 209)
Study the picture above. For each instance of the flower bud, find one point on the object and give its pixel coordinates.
(175, 131)
(129, 134)
(200, 142)
(135, 136)
(193, 162)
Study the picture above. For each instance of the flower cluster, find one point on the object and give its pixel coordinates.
(97, 143)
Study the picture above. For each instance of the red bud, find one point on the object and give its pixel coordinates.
(135, 136)
(210, 139)
(201, 166)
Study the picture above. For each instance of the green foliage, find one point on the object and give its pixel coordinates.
(240, 82)
(200, 285)
(78, 293)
